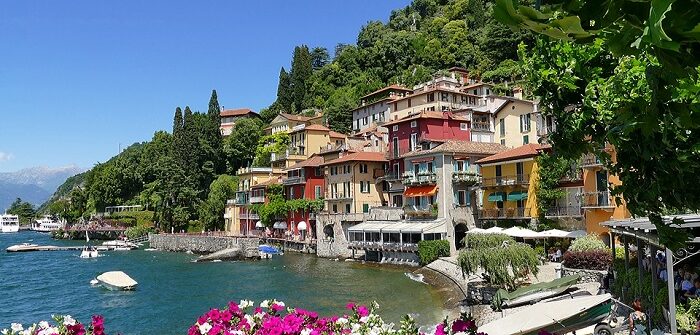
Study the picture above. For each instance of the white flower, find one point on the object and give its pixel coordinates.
(16, 327)
(248, 318)
(204, 328)
(237, 332)
(281, 303)
(460, 333)
(48, 331)
(342, 321)
(355, 327)
(305, 331)
(259, 316)
(44, 324)
(68, 321)
(245, 304)
(364, 319)
(265, 304)
(5, 331)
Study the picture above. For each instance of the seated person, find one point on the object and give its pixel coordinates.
(687, 283)
(557, 255)
(694, 291)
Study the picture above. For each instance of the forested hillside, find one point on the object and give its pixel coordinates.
(180, 175)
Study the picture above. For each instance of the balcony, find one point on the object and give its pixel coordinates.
(339, 196)
(241, 198)
(257, 199)
(377, 245)
(294, 180)
(468, 178)
(276, 157)
(425, 212)
(573, 175)
(590, 160)
(423, 178)
(503, 213)
(564, 211)
(249, 216)
(391, 176)
(545, 130)
(597, 200)
(520, 179)
(481, 126)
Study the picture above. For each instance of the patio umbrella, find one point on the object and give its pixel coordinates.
(520, 232)
(477, 231)
(554, 233)
(494, 230)
(576, 234)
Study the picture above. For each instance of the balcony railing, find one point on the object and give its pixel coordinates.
(410, 247)
(520, 179)
(338, 196)
(564, 211)
(240, 200)
(503, 213)
(597, 200)
(573, 175)
(257, 199)
(249, 216)
(545, 130)
(391, 176)
(420, 212)
(481, 126)
(465, 177)
(423, 178)
(590, 160)
(294, 180)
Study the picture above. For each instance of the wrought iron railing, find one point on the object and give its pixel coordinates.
(597, 200)
(503, 213)
(564, 211)
(520, 179)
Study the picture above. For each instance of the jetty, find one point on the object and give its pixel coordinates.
(28, 248)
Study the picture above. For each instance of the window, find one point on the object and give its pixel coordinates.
(334, 191)
(395, 146)
(463, 126)
(347, 208)
(431, 97)
(365, 208)
(502, 125)
(520, 171)
(363, 168)
(335, 208)
(503, 142)
(365, 121)
(526, 139)
(525, 123)
(409, 102)
(364, 186)
(462, 198)
(488, 91)
(498, 171)
(461, 165)
(317, 192)
(291, 193)
(395, 128)
(476, 92)
(430, 167)
(317, 171)
(444, 96)
(414, 141)
(414, 124)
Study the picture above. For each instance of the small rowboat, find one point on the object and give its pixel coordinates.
(533, 293)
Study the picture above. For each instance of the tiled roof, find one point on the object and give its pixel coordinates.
(426, 115)
(237, 112)
(271, 181)
(361, 156)
(312, 161)
(462, 147)
(295, 117)
(525, 151)
(390, 87)
(336, 134)
(311, 127)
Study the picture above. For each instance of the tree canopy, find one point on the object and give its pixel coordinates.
(23, 209)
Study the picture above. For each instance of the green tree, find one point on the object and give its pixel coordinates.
(240, 147)
(338, 110)
(301, 71)
(269, 144)
(211, 211)
(285, 96)
(213, 135)
(319, 57)
(23, 209)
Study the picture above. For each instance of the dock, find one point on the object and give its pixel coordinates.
(57, 248)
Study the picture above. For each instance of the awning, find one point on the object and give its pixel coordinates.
(301, 225)
(259, 224)
(497, 196)
(576, 234)
(521, 232)
(420, 191)
(517, 195)
(280, 225)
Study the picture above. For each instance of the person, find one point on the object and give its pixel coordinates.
(663, 273)
(557, 256)
(637, 317)
(694, 291)
(687, 283)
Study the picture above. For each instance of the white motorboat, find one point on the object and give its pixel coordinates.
(46, 224)
(9, 223)
(89, 251)
(22, 247)
(117, 280)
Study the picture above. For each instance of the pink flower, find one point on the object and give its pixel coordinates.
(362, 311)
(440, 329)
(350, 306)
(276, 307)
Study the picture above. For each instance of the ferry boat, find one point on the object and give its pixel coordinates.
(9, 223)
(46, 224)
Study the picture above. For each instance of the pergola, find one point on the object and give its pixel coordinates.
(641, 231)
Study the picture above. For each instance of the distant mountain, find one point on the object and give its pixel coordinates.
(34, 185)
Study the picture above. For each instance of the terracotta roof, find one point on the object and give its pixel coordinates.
(311, 127)
(426, 115)
(390, 87)
(271, 181)
(312, 161)
(336, 134)
(525, 151)
(237, 112)
(462, 147)
(481, 83)
(296, 117)
(361, 156)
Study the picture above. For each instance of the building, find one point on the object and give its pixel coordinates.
(237, 218)
(306, 140)
(413, 132)
(229, 117)
(375, 108)
(304, 180)
(441, 94)
(286, 122)
(350, 182)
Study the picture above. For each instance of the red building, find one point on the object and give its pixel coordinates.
(305, 180)
(420, 131)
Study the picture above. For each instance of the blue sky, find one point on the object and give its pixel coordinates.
(79, 78)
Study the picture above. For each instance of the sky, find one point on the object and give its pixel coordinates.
(80, 79)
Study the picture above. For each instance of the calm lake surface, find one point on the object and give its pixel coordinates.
(173, 291)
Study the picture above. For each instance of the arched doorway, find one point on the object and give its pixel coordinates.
(460, 234)
(328, 232)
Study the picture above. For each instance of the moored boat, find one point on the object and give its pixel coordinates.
(46, 224)
(22, 247)
(117, 280)
(559, 317)
(533, 293)
(267, 251)
(9, 223)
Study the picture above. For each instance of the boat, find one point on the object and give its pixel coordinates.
(267, 251)
(559, 317)
(46, 224)
(22, 247)
(532, 293)
(120, 245)
(9, 223)
(117, 281)
(89, 251)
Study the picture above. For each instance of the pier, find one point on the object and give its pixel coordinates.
(28, 248)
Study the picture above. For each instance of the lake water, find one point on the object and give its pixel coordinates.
(173, 291)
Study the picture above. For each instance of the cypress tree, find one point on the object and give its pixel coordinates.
(213, 135)
(190, 143)
(284, 91)
(178, 135)
(301, 71)
(177, 122)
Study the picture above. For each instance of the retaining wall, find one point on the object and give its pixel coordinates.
(204, 244)
(587, 276)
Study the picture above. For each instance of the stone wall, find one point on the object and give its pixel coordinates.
(204, 244)
(587, 276)
(331, 230)
(449, 268)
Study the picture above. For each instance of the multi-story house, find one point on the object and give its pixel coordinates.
(413, 132)
(370, 139)
(350, 182)
(305, 180)
(375, 108)
(286, 122)
(237, 217)
(438, 95)
(306, 140)
(230, 116)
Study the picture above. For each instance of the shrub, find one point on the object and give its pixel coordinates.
(589, 259)
(588, 242)
(429, 251)
(134, 232)
(480, 241)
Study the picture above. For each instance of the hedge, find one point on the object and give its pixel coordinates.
(429, 251)
(589, 259)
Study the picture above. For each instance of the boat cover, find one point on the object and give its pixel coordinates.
(268, 249)
(117, 279)
(502, 296)
(541, 315)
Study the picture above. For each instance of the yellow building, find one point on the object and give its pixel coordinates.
(598, 205)
(306, 140)
(508, 183)
(350, 182)
(517, 123)
(286, 122)
(236, 217)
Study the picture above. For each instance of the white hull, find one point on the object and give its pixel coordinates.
(9, 229)
(89, 254)
(117, 281)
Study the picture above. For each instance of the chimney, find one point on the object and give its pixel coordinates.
(518, 92)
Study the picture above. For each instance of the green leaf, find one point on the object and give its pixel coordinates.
(693, 33)
(505, 13)
(532, 13)
(571, 25)
(656, 33)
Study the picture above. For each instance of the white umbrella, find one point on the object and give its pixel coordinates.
(553, 233)
(520, 232)
(477, 231)
(576, 234)
(301, 225)
(494, 230)
(280, 225)
(259, 224)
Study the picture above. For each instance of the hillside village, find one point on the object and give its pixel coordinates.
(428, 162)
